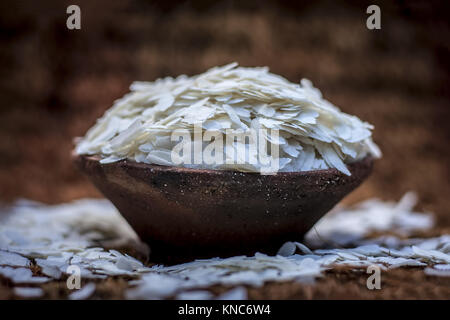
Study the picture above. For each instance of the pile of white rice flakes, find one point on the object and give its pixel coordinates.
(228, 100)
(56, 238)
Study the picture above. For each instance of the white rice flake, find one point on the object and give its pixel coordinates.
(346, 226)
(437, 272)
(238, 293)
(442, 267)
(195, 295)
(84, 293)
(21, 275)
(26, 292)
(155, 286)
(287, 249)
(51, 271)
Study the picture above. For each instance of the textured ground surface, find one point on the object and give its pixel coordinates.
(397, 78)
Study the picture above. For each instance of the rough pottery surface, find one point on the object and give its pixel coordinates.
(183, 213)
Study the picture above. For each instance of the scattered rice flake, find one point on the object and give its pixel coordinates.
(13, 259)
(84, 293)
(239, 293)
(287, 249)
(437, 272)
(25, 292)
(195, 295)
(68, 234)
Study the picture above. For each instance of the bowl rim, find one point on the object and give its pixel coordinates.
(368, 160)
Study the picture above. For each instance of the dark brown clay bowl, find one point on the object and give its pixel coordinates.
(185, 213)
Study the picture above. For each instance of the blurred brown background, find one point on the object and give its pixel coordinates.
(56, 82)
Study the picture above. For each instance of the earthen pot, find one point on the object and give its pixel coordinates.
(191, 213)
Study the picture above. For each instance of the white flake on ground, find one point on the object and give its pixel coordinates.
(51, 271)
(343, 227)
(443, 267)
(58, 236)
(26, 292)
(55, 237)
(195, 295)
(13, 259)
(287, 249)
(84, 293)
(156, 286)
(239, 293)
(21, 275)
(303, 249)
(437, 272)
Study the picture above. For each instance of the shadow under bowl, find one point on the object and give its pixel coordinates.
(193, 213)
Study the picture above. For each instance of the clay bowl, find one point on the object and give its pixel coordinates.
(190, 213)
